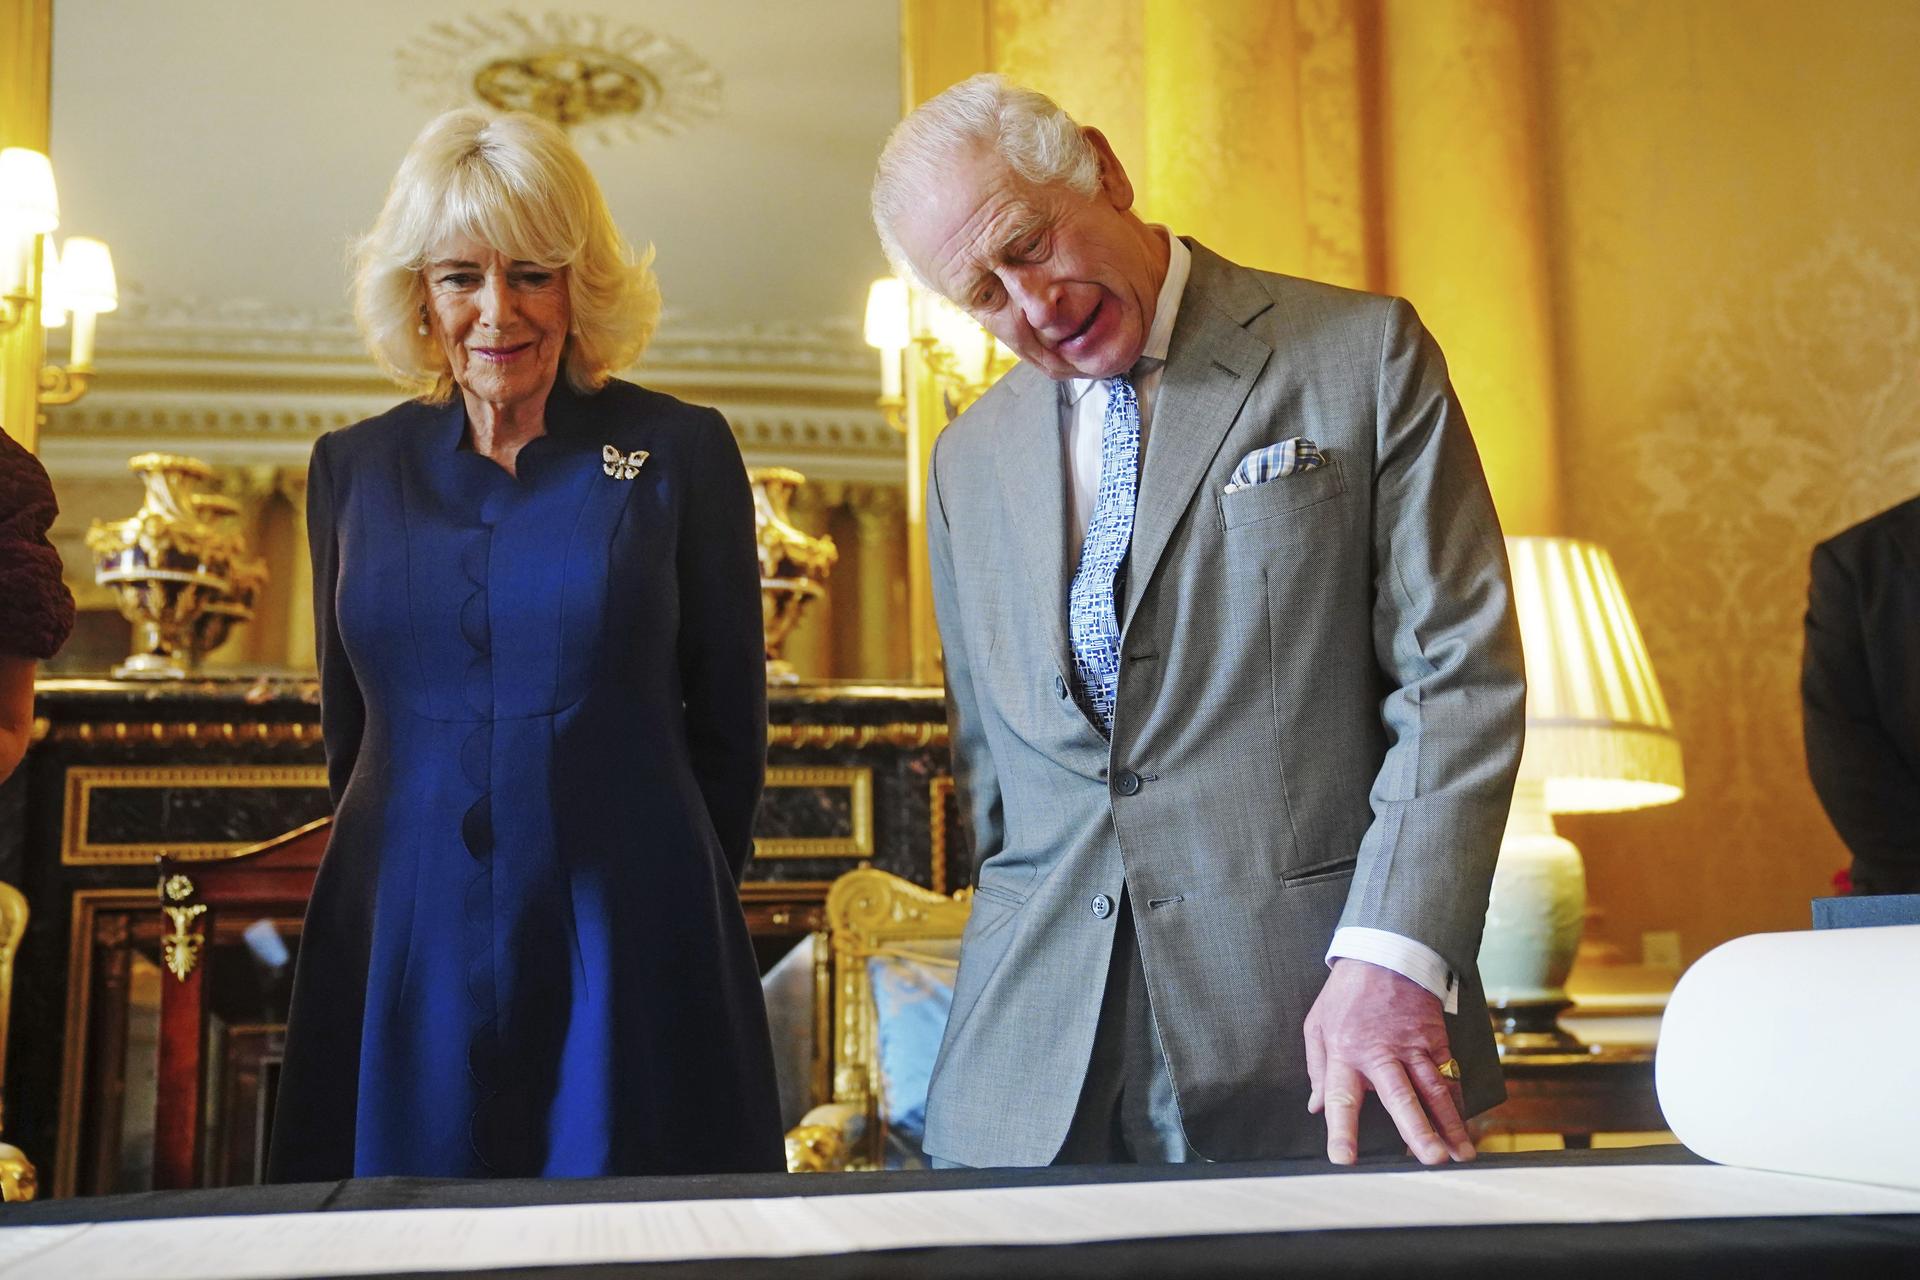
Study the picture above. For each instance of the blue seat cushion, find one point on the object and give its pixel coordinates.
(912, 995)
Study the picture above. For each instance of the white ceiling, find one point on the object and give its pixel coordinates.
(228, 150)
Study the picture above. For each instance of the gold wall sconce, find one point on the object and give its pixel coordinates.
(934, 363)
(889, 333)
(29, 209)
(961, 359)
(78, 281)
(958, 359)
(38, 278)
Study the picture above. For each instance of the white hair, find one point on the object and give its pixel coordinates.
(1024, 127)
(514, 183)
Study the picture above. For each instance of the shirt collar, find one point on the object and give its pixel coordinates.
(1166, 310)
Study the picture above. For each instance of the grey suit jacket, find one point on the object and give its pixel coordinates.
(1318, 722)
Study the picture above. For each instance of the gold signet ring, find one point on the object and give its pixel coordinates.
(1450, 1068)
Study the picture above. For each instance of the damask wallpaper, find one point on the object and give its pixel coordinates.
(1732, 193)
(1672, 252)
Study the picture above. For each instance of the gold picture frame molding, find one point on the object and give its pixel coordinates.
(857, 843)
(76, 850)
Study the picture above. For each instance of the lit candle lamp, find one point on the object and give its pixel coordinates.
(886, 330)
(53, 298)
(29, 207)
(88, 288)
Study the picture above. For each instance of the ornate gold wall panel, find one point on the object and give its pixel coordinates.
(855, 841)
(81, 845)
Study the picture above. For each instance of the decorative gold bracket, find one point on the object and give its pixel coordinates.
(180, 949)
(13, 310)
(64, 384)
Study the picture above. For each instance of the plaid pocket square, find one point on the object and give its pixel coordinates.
(1275, 461)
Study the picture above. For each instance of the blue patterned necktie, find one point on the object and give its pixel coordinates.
(1092, 621)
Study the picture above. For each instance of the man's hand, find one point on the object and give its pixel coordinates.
(1373, 1029)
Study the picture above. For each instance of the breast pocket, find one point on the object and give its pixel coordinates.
(1281, 496)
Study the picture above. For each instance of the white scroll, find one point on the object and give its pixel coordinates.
(1800, 1053)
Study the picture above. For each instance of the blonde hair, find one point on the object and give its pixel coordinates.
(514, 183)
(1024, 127)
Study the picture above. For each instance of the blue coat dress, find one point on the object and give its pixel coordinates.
(544, 703)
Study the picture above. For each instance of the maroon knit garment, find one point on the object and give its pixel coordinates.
(36, 609)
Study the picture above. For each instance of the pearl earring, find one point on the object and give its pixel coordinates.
(423, 331)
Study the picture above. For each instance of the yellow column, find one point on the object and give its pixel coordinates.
(1223, 160)
(811, 645)
(1087, 55)
(259, 640)
(295, 589)
(1463, 231)
(942, 42)
(26, 80)
(878, 518)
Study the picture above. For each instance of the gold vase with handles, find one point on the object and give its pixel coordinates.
(794, 564)
(178, 567)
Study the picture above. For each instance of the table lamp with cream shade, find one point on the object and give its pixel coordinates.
(1599, 740)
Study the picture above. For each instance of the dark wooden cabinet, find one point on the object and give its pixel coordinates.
(124, 774)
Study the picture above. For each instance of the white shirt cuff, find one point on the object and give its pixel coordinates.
(1411, 960)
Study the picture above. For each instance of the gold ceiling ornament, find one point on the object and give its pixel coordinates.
(567, 86)
(597, 76)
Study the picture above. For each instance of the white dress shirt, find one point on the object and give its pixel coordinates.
(1081, 421)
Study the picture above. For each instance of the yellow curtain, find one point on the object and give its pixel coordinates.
(1381, 144)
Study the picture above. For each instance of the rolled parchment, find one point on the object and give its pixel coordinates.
(1800, 1053)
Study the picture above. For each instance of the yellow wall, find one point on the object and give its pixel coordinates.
(1381, 145)
(1734, 214)
(1673, 253)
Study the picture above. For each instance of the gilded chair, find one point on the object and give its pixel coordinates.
(894, 950)
(18, 1180)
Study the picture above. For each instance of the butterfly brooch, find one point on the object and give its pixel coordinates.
(622, 466)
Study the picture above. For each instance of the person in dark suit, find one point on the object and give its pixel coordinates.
(36, 609)
(544, 701)
(1860, 694)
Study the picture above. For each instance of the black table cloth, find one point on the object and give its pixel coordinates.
(1853, 1246)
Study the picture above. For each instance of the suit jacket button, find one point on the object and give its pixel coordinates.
(1102, 906)
(1126, 782)
(1060, 686)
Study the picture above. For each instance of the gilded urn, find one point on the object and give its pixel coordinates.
(793, 563)
(178, 567)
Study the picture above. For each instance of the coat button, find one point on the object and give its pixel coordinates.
(1060, 686)
(1126, 782)
(1102, 906)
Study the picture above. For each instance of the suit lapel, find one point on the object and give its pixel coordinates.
(1211, 366)
(1033, 476)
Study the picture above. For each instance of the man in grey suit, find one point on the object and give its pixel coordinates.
(1233, 675)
